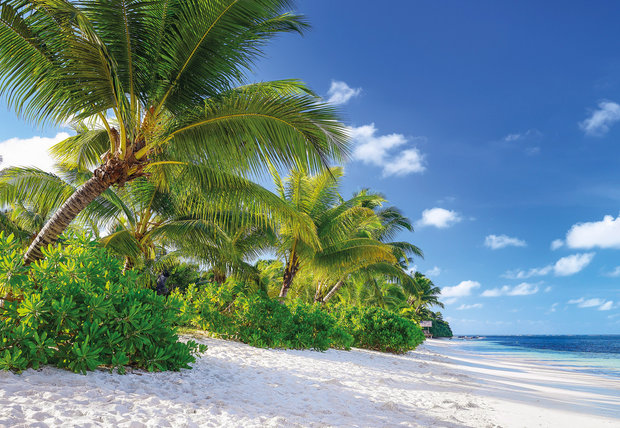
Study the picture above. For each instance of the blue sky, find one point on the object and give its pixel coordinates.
(495, 126)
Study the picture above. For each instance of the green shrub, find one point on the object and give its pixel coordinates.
(228, 311)
(262, 322)
(379, 329)
(79, 311)
(441, 328)
(313, 327)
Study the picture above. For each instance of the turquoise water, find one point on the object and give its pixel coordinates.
(589, 354)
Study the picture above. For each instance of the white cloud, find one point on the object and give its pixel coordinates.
(524, 274)
(570, 265)
(495, 242)
(601, 119)
(29, 152)
(614, 273)
(523, 289)
(565, 266)
(548, 289)
(464, 288)
(473, 306)
(526, 141)
(530, 133)
(435, 271)
(553, 307)
(600, 304)
(556, 243)
(439, 217)
(407, 162)
(340, 93)
(382, 151)
(603, 234)
(512, 137)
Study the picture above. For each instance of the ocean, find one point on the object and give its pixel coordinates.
(595, 354)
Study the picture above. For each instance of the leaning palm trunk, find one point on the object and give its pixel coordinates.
(333, 291)
(317, 294)
(107, 174)
(289, 275)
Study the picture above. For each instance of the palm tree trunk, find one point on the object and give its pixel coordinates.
(317, 295)
(289, 275)
(333, 290)
(103, 177)
(128, 264)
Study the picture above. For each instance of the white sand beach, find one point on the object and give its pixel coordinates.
(235, 385)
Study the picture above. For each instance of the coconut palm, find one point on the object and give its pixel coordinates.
(344, 229)
(152, 227)
(427, 294)
(154, 85)
(388, 271)
(10, 224)
(364, 289)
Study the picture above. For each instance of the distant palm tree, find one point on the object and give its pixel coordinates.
(153, 86)
(427, 294)
(343, 240)
(387, 271)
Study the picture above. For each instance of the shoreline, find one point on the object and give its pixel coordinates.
(524, 391)
(236, 385)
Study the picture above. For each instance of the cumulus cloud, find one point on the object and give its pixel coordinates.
(553, 307)
(565, 266)
(407, 162)
(473, 306)
(598, 303)
(340, 93)
(435, 271)
(556, 243)
(386, 151)
(570, 265)
(464, 288)
(602, 234)
(523, 289)
(601, 119)
(29, 152)
(495, 242)
(440, 218)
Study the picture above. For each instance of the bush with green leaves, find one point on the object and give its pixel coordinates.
(76, 309)
(378, 329)
(441, 328)
(231, 312)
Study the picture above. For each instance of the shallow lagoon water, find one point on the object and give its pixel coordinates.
(590, 354)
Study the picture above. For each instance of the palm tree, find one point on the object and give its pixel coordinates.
(389, 270)
(344, 229)
(427, 294)
(152, 227)
(372, 290)
(157, 85)
(11, 224)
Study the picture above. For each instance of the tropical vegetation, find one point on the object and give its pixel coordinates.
(157, 188)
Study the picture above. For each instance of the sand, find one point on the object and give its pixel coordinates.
(235, 385)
